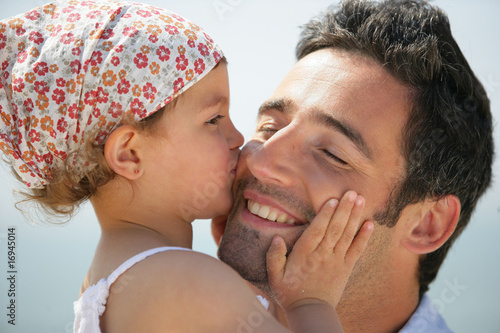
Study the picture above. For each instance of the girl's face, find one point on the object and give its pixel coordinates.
(194, 150)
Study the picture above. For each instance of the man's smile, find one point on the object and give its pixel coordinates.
(262, 207)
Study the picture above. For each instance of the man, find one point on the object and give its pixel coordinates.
(382, 102)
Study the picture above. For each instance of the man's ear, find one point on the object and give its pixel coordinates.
(121, 152)
(435, 224)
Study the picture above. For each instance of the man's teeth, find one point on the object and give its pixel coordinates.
(268, 213)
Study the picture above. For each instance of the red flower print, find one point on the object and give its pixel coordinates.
(123, 86)
(34, 135)
(61, 125)
(149, 91)
(28, 105)
(115, 61)
(3, 38)
(171, 29)
(101, 96)
(182, 62)
(73, 17)
(119, 49)
(61, 82)
(90, 97)
(141, 60)
(94, 14)
(203, 49)
(76, 51)
(153, 38)
(217, 56)
(41, 87)
(137, 108)
(33, 15)
(130, 31)
(143, 13)
(18, 84)
(163, 53)
(107, 34)
(58, 96)
(48, 158)
(67, 38)
(96, 58)
(76, 66)
(36, 37)
(179, 18)
(5, 64)
(73, 111)
(41, 68)
(178, 84)
(21, 57)
(191, 43)
(96, 112)
(199, 66)
(115, 109)
(20, 31)
(208, 38)
(56, 31)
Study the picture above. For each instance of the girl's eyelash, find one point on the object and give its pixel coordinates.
(334, 157)
(215, 120)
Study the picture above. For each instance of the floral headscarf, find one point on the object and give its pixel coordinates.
(70, 71)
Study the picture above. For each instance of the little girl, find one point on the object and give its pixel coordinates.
(127, 105)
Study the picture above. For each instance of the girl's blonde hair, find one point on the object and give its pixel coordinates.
(61, 198)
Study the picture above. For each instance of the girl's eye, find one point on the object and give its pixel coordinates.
(334, 157)
(215, 120)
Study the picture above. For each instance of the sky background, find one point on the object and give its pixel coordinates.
(258, 38)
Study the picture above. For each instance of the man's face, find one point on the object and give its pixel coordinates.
(334, 124)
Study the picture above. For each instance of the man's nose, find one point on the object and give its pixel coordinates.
(275, 160)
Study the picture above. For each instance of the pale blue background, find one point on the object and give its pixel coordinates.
(259, 39)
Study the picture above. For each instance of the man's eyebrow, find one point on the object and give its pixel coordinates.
(322, 118)
(281, 104)
(351, 133)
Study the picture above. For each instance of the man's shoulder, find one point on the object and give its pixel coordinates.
(426, 319)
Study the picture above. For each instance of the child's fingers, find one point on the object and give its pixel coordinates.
(315, 232)
(359, 243)
(338, 221)
(351, 228)
(276, 259)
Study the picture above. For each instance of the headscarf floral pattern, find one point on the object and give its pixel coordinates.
(71, 71)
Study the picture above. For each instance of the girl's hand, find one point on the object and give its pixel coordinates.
(322, 259)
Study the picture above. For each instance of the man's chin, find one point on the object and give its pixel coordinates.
(243, 250)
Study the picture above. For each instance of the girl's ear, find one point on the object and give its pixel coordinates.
(122, 152)
(436, 224)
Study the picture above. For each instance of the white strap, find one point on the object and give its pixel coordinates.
(137, 258)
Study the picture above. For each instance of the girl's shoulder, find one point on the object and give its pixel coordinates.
(178, 290)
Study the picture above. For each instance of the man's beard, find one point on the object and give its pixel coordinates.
(244, 248)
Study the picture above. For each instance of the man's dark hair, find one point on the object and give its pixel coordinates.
(448, 140)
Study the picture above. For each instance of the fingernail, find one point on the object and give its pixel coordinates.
(352, 196)
(360, 201)
(333, 202)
